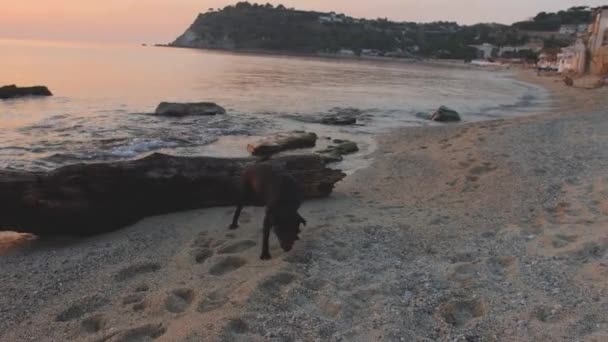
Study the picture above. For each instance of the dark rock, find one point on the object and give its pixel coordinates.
(334, 153)
(89, 199)
(283, 142)
(335, 116)
(329, 158)
(341, 116)
(337, 120)
(12, 91)
(347, 147)
(445, 114)
(348, 111)
(188, 109)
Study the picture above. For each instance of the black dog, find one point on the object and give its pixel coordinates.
(280, 193)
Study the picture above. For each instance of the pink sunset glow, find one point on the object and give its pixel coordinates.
(163, 20)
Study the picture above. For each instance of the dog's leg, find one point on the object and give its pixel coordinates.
(244, 194)
(235, 218)
(302, 220)
(265, 249)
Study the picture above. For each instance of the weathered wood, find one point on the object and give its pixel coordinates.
(88, 199)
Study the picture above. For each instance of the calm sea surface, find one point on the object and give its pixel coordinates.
(101, 91)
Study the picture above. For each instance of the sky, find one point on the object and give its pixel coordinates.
(161, 21)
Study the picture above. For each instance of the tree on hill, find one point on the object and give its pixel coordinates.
(544, 21)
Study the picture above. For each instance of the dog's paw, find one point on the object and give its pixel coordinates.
(265, 256)
(233, 226)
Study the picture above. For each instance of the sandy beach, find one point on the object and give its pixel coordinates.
(488, 231)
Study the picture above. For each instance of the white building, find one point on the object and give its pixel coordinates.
(547, 61)
(568, 29)
(532, 46)
(582, 28)
(485, 50)
(371, 52)
(573, 29)
(346, 52)
(332, 18)
(572, 58)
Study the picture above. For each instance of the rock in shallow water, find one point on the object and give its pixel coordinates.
(342, 116)
(335, 117)
(12, 91)
(334, 153)
(188, 109)
(445, 114)
(283, 142)
(337, 120)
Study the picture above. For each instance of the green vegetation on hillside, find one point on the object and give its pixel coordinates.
(246, 26)
(553, 21)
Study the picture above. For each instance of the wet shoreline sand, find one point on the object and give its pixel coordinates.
(487, 231)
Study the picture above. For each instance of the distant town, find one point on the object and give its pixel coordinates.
(574, 40)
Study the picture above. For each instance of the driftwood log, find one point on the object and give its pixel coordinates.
(89, 199)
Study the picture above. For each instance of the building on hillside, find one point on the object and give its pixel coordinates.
(568, 29)
(371, 52)
(346, 52)
(485, 50)
(597, 42)
(325, 19)
(332, 17)
(509, 51)
(572, 59)
(547, 61)
(572, 29)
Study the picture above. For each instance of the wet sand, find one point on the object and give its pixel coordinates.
(490, 231)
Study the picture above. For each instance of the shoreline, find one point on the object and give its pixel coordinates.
(134, 139)
(450, 63)
(491, 230)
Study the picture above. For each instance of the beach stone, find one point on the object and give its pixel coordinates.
(348, 147)
(337, 120)
(344, 147)
(334, 153)
(282, 142)
(445, 114)
(330, 158)
(334, 117)
(12, 91)
(189, 109)
(341, 116)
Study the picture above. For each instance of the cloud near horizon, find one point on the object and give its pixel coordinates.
(159, 21)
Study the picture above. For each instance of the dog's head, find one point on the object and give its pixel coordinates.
(287, 228)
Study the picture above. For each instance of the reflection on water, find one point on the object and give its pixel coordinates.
(99, 88)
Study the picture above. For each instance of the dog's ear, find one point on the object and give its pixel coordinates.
(302, 220)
